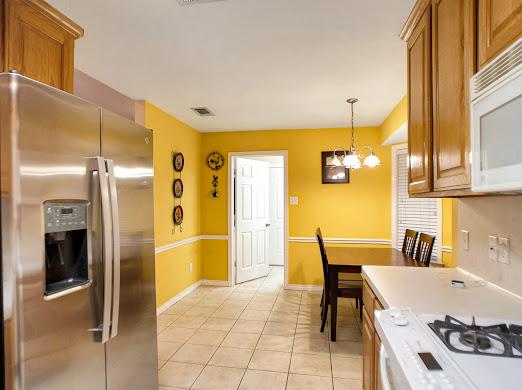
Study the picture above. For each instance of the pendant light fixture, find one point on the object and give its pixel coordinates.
(351, 158)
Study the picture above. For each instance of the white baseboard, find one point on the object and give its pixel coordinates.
(167, 305)
(219, 283)
(304, 287)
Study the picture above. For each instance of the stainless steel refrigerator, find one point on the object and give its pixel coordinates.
(77, 243)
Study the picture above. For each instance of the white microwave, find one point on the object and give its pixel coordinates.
(496, 124)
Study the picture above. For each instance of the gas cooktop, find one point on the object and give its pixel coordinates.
(491, 340)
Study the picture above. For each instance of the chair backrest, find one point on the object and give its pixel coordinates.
(424, 249)
(408, 245)
(324, 258)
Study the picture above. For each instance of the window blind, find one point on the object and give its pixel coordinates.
(419, 214)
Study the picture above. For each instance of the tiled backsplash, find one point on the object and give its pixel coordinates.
(492, 216)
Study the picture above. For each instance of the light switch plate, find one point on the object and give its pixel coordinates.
(294, 201)
(493, 248)
(503, 250)
(465, 240)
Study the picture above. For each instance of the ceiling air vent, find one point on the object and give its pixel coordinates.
(190, 2)
(202, 111)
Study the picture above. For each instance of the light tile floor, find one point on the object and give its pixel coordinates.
(257, 336)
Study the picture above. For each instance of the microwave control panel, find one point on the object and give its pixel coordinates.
(64, 216)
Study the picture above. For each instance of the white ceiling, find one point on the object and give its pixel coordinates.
(257, 64)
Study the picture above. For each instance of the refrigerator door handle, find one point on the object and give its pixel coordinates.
(115, 248)
(107, 248)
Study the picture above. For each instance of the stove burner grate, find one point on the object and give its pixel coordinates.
(479, 340)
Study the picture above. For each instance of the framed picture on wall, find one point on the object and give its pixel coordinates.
(334, 175)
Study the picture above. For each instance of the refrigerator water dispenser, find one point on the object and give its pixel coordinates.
(67, 247)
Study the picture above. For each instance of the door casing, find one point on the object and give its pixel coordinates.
(231, 193)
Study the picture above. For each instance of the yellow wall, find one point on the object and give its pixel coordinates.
(447, 232)
(172, 266)
(395, 119)
(360, 209)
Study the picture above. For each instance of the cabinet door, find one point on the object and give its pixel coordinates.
(453, 32)
(37, 47)
(500, 24)
(377, 365)
(368, 332)
(419, 106)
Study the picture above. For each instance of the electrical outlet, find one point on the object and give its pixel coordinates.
(190, 267)
(493, 248)
(294, 201)
(503, 250)
(465, 240)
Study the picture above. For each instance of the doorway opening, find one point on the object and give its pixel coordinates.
(258, 218)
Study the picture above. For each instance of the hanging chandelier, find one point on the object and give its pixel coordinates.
(351, 159)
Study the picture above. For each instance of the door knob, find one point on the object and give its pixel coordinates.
(267, 225)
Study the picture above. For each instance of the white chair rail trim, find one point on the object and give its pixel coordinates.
(189, 240)
(447, 249)
(375, 241)
(328, 240)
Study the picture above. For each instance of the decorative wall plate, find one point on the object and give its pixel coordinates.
(177, 215)
(177, 188)
(215, 161)
(178, 162)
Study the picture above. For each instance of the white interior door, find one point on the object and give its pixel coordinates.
(276, 234)
(252, 220)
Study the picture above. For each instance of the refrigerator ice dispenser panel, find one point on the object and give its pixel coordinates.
(67, 249)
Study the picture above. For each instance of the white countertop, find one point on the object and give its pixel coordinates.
(428, 290)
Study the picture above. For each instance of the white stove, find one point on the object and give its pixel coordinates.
(427, 351)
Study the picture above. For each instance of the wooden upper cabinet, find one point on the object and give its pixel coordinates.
(500, 24)
(419, 104)
(453, 54)
(39, 42)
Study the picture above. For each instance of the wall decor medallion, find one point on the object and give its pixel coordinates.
(177, 188)
(178, 162)
(215, 161)
(334, 174)
(177, 215)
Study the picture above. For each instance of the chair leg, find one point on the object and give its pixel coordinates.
(356, 303)
(324, 312)
(322, 299)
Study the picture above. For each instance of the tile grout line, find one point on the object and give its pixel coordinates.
(293, 342)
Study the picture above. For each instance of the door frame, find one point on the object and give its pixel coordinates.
(230, 203)
(403, 149)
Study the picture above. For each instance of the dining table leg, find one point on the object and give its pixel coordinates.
(334, 286)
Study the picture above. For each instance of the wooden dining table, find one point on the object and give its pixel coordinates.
(350, 260)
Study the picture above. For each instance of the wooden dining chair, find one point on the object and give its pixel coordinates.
(345, 289)
(424, 249)
(343, 277)
(408, 245)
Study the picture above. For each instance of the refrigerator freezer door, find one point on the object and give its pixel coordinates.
(49, 138)
(132, 350)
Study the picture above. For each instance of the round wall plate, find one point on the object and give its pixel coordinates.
(177, 188)
(177, 215)
(215, 161)
(178, 162)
